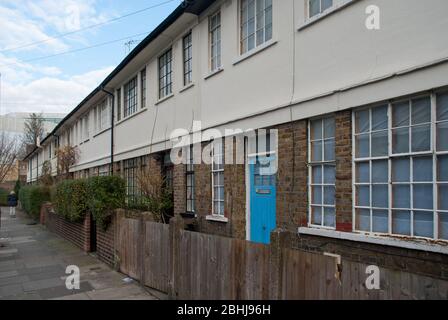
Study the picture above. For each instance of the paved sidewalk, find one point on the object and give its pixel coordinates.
(33, 263)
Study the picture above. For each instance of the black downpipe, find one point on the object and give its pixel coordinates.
(112, 126)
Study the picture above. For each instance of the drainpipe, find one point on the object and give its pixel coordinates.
(112, 126)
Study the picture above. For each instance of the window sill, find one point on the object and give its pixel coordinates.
(255, 51)
(164, 99)
(131, 116)
(310, 21)
(188, 86)
(213, 73)
(101, 132)
(413, 244)
(216, 218)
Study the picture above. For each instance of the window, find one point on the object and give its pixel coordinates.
(188, 58)
(130, 177)
(103, 116)
(119, 104)
(165, 74)
(103, 171)
(322, 172)
(85, 126)
(256, 23)
(50, 154)
(215, 41)
(399, 175)
(318, 6)
(143, 86)
(218, 178)
(189, 173)
(130, 97)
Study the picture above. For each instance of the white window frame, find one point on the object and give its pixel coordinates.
(243, 21)
(165, 78)
(218, 171)
(215, 60)
(390, 157)
(187, 55)
(321, 164)
(320, 9)
(130, 105)
(143, 79)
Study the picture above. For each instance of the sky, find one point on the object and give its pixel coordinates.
(59, 83)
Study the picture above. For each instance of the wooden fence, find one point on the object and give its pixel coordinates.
(190, 265)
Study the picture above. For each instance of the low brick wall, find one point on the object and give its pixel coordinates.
(76, 233)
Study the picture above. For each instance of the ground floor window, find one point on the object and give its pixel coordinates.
(218, 178)
(130, 168)
(190, 183)
(400, 172)
(322, 172)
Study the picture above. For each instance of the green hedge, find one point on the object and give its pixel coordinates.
(70, 199)
(32, 198)
(105, 194)
(99, 195)
(3, 198)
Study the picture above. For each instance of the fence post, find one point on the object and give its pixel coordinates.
(280, 239)
(176, 225)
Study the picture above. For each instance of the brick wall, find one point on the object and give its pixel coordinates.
(76, 233)
(179, 189)
(105, 243)
(292, 199)
(343, 151)
(400, 259)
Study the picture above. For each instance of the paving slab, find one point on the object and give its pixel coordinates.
(33, 263)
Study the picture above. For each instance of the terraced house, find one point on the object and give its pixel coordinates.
(361, 114)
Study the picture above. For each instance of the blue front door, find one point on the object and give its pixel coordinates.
(262, 198)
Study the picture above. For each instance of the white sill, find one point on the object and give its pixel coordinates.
(310, 21)
(213, 73)
(413, 244)
(188, 86)
(101, 132)
(255, 51)
(217, 218)
(164, 98)
(131, 116)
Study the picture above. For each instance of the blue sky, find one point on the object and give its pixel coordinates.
(58, 84)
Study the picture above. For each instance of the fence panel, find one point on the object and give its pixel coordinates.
(128, 247)
(156, 256)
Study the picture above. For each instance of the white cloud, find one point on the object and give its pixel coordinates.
(50, 94)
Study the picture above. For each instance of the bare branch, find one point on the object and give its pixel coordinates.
(8, 154)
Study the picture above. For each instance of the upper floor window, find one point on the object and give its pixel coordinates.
(318, 6)
(256, 23)
(188, 58)
(322, 172)
(85, 132)
(143, 86)
(130, 97)
(400, 173)
(165, 74)
(103, 116)
(215, 41)
(119, 104)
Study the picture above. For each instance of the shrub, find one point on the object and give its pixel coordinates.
(70, 199)
(105, 194)
(17, 187)
(32, 198)
(3, 197)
